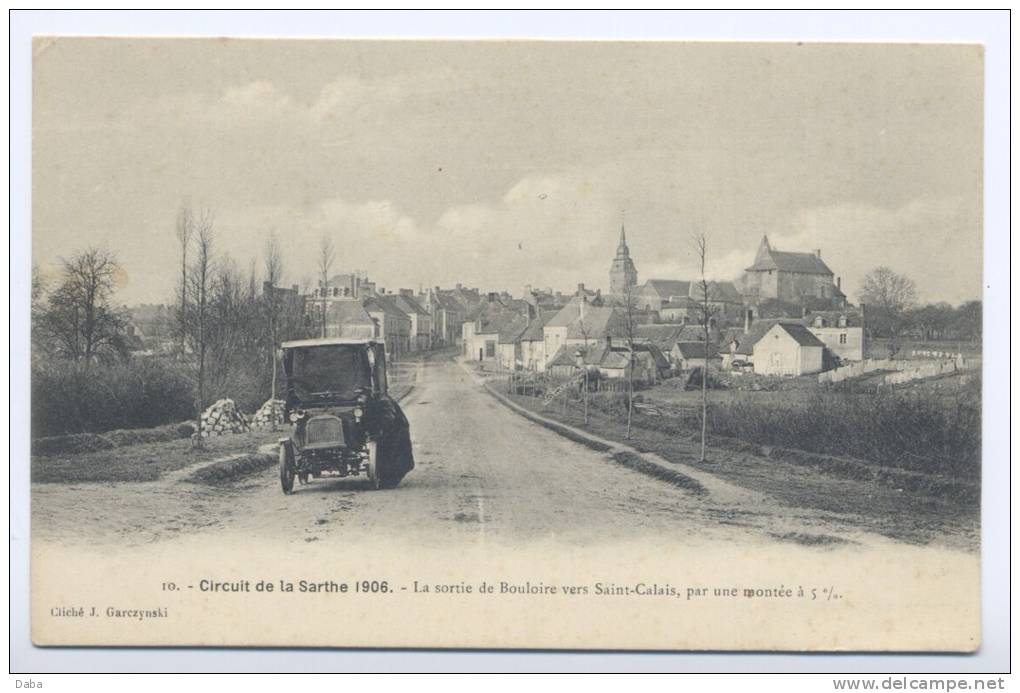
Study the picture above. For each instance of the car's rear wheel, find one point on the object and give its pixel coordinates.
(287, 468)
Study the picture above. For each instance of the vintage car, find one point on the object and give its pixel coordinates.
(344, 422)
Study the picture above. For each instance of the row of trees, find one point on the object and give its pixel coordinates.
(227, 328)
(893, 311)
(224, 327)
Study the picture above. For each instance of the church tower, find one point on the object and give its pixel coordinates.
(622, 274)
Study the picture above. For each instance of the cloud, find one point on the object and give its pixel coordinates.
(934, 241)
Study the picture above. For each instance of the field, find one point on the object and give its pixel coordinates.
(931, 427)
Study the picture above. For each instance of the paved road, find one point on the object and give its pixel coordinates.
(484, 475)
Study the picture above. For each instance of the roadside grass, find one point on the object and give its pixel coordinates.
(629, 459)
(76, 443)
(144, 461)
(928, 428)
(232, 469)
(906, 506)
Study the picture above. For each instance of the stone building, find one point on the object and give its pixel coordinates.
(787, 276)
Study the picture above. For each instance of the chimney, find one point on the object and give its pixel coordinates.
(838, 283)
(748, 319)
(459, 286)
(295, 288)
(818, 253)
(580, 289)
(492, 297)
(609, 341)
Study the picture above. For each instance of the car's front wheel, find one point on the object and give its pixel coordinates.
(373, 464)
(287, 468)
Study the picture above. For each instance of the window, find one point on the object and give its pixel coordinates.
(819, 321)
(842, 338)
(842, 321)
(490, 349)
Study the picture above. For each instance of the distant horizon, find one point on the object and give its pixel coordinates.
(501, 164)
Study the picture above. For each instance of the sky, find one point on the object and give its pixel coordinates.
(505, 163)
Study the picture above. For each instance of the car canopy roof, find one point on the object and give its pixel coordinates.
(328, 341)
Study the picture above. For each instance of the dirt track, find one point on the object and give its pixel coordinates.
(484, 475)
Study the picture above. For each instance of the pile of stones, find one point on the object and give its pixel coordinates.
(269, 414)
(224, 417)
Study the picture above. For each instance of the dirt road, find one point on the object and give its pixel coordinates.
(484, 475)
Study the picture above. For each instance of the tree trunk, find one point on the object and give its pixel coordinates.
(201, 388)
(272, 392)
(704, 402)
(585, 396)
(630, 393)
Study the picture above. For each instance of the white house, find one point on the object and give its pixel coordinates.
(842, 331)
(788, 349)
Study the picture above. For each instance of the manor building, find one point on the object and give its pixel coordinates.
(793, 277)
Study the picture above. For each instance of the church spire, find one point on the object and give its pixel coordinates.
(623, 274)
(621, 248)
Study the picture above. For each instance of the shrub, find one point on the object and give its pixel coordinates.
(912, 431)
(69, 398)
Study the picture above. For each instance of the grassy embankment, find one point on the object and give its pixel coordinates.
(906, 504)
(145, 454)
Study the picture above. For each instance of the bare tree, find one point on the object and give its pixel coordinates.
(184, 230)
(273, 267)
(888, 295)
(327, 254)
(78, 317)
(630, 323)
(199, 286)
(705, 317)
(584, 363)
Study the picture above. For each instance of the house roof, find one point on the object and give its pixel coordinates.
(386, 304)
(606, 356)
(448, 302)
(831, 318)
(746, 340)
(668, 287)
(725, 292)
(535, 332)
(347, 312)
(696, 350)
(599, 322)
(510, 328)
(662, 336)
(804, 263)
(679, 302)
(409, 304)
(564, 356)
(495, 318)
(800, 334)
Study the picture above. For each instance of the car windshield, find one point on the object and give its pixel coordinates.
(334, 372)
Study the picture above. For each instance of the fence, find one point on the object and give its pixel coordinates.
(905, 371)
